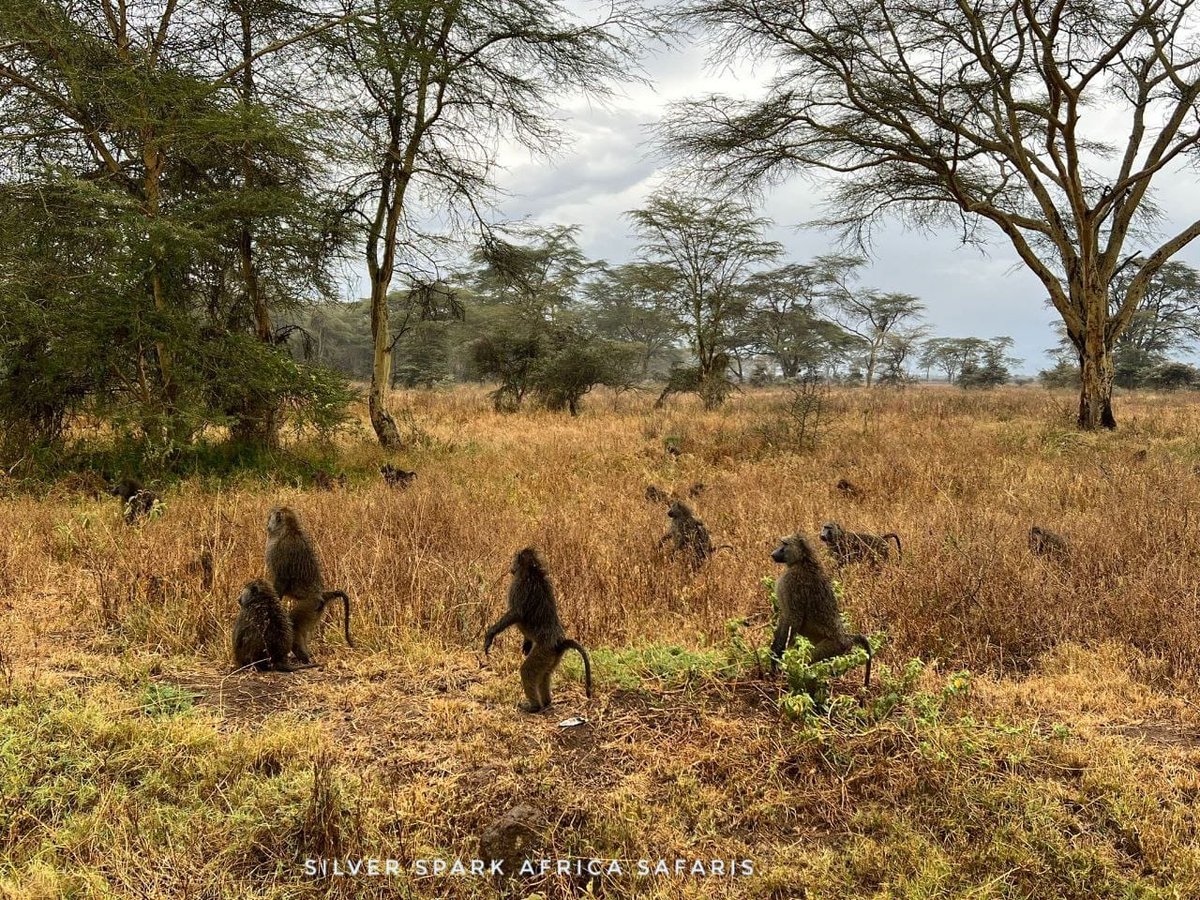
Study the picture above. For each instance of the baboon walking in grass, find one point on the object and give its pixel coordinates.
(532, 607)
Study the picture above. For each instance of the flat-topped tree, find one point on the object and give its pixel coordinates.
(1049, 120)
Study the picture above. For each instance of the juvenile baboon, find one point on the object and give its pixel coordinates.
(687, 534)
(808, 606)
(396, 477)
(854, 546)
(295, 572)
(138, 502)
(262, 634)
(534, 610)
(697, 488)
(655, 494)
(1044, 542)
(849, 488)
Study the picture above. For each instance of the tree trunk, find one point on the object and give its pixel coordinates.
(381, 369)
(1095, 388)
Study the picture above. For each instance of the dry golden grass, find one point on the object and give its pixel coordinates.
(1082, 783)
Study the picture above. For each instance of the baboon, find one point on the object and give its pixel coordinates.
(655, 494)
(262, 634)
(808, 606)
(396, 477)
(534, 610)
(697, 488)
(295, 572)
(687, 533)
(849, 488)
(204, 565)
(138, 502)
(854, 546)
(327, 482)
(1044, 542)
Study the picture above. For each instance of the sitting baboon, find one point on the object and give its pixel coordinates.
(262, 634)
(854, 546)
(533, 609)
(295, 572)
(1044, 542)
(655, 494)
(138, 502)
(687, 534)
(808, 606)
(397, 477)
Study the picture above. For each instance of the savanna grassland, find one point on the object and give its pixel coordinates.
(1046, 744)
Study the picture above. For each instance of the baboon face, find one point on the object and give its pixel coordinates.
(527, 561)
(1035, 532)
(791, 550)
(830, 531)
(679, 510)
(280, 517)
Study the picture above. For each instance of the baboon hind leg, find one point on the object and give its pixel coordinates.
(535, 674)
(830, 647)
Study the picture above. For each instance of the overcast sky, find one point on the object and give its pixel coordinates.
(609, 167)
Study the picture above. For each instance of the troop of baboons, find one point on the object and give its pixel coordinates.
(278, 615)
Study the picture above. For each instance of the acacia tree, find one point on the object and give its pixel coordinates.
(874, 317)
(1046, 118)
(698, 252)
(436, 85)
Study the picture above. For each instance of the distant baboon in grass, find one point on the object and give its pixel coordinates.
(1044, 542)
(697, 488)
(856, 546)
(849, 488)
(655, 494)
(396, 477)
(687, 534)
(808, 606)
(324, 481)
(137, 501)
(262, 634)
(533, 608)
(295, 573)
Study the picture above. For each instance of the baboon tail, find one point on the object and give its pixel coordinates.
(862, 641)
(340, 595)
(896, 538)
(569, 644)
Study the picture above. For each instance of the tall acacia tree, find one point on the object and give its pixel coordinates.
(435, 86)
(698, 253)
(1049, 119)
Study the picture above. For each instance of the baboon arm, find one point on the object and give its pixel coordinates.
(506, 621)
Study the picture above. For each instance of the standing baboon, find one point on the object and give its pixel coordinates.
(396, 477)
(655, 494)
(687, 533)
(137, 501)
(533, 609)
(853, 546)
(808, 606)
(262, 634)
(1044, 542)
(295, 572)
